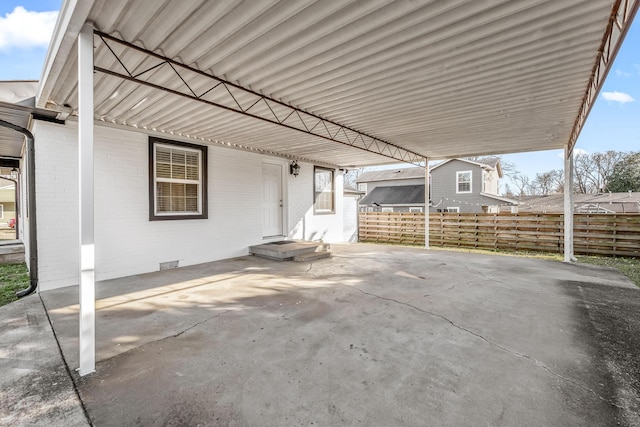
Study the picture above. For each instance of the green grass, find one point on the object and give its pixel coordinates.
(13, 278)
(630, 267)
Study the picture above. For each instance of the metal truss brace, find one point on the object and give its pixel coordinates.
(208, 89)
(620, 20)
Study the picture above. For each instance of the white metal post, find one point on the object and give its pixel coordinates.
(87, 336)
(426, 203)
(568, 205)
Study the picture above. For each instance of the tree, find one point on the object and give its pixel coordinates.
(626, 174)
(591, 171)
(548, 183)
(522, 184)
(352, 176)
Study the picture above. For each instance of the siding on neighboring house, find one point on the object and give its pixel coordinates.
(127, 243)
(444, 188)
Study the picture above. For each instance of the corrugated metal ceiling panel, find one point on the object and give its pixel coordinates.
(441, 78)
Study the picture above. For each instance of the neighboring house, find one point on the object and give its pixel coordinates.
(457, 185)
(583, 203)
(351, 196)
(7, 202)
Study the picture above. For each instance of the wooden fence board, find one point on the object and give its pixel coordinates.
(601, 234)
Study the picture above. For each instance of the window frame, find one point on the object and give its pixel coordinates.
(331, 211)
(202, 186)
(458, 182)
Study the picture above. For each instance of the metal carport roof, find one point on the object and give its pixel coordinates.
(429, 78)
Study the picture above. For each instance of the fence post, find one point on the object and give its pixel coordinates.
(568, 204)
(426, 203)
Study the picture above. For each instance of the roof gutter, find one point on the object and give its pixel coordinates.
(31, 208)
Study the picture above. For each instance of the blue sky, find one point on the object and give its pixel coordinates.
(614, 122)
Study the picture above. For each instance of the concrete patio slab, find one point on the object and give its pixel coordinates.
(376, 335)
(35, 388)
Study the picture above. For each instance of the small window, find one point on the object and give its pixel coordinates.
(415, 209)
(323, 191)
(463, 182)
(386, 210)
(177, 180)
(362, 187)
(454, 209)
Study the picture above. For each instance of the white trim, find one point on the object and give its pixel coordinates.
(502, 199)
(458, 173)
(199, 181)
(71, 20)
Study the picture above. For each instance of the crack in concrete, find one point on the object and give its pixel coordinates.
(168, 336)
(498, 346)
(430, 295)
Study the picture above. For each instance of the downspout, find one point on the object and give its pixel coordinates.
(31, 208)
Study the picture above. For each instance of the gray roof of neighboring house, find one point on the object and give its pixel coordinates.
(615, 202)
(390, 174)
(396, 195)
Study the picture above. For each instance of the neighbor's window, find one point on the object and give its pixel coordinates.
(177, 180)
(415, 209)
(323, 191)
(455, 209)
(463, 181)
(386, 210)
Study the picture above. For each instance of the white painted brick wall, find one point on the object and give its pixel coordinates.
(303, 224)
(127, 243)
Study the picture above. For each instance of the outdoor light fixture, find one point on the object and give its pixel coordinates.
(14, 173)
(294, 168)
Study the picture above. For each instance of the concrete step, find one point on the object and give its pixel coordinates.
(312, 256)
(284, 250)
(11, 252)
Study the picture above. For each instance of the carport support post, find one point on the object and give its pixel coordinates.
(87, 338)
(426, 203)
(568, 204)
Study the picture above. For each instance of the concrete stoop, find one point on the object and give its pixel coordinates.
(291, 250)
(11, 252)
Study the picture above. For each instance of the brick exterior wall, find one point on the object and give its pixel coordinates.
(127, 243)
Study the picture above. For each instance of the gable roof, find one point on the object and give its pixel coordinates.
(485, 163)
(396, 195)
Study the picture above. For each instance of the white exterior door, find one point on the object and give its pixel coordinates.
(272, 202)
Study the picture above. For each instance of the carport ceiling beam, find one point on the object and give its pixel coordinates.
(232, 97)
(620, 20)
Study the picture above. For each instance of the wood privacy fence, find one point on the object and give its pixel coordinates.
(594, 234)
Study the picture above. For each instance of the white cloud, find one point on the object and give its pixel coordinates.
(620, 97)
(25, 29)
(621, 73)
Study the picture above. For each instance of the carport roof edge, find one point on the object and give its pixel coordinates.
(370, 68)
